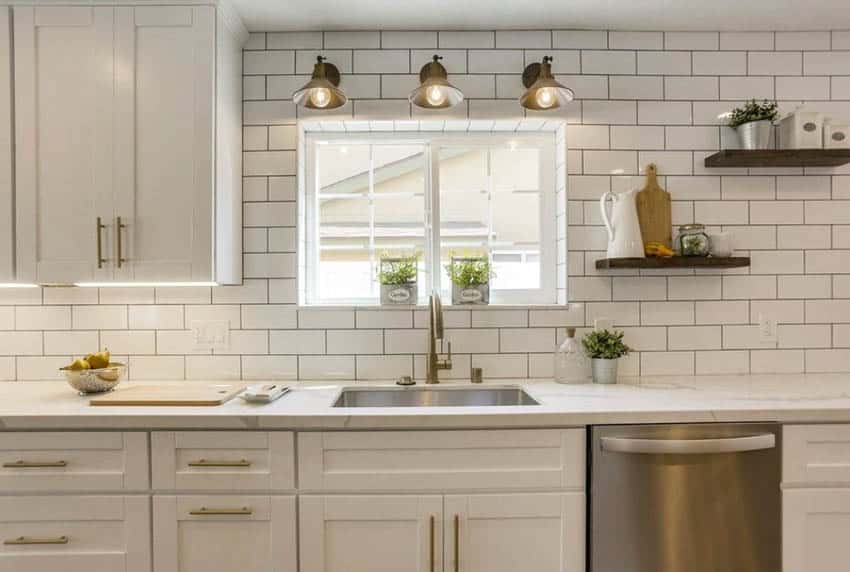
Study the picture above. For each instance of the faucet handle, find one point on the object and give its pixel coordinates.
(449, 344)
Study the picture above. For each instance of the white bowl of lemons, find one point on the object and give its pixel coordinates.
(94, 373)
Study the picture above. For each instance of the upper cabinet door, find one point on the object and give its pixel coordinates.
(7, 185)
(165, 98)
(64, 143)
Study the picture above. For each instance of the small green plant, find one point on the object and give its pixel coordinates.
(605, 344)
(753, 111)
(466, 272)
(396, 271)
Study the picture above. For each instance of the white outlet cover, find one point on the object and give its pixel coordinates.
(767, 330)
(211, 334)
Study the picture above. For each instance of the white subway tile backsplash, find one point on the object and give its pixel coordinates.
(495, 61)
(691, 40)
(803, 40)
(777, 262)
(269, 317)
(383, 367)
(725, 312)
(326, 367)
(667, 363)
(746, 88)
(827, 361)
(827, 311)
(804, 336)
(157, 368)
(722, 362)
(294, 40)
(269, 368)
(268, 63)
(777, 361)
(802, 287)
(219, 313)
(693, 337)
(37, 318)
(639, 288)
(580, 39)
(636, 137)
(720, 63)
(98, 317)
(213, 368)
(694, 287)
(408, 39)
(747, 41)
(826, 63)
(664, 63)
(608, 62)
(664, 112)
(129, 342)
(467, 39)
(635, 87)
(155, 317)
(775, 63)
(692, 138)
(621, 313)
(690, 88)
(55, 343)
(776, 212)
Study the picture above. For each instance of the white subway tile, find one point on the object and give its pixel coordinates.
(39, 317)
(720, 63)
(588, 136)
(39, 368)
(777, 361)
(223, 368)
(726, 312)
(840, 338)
(667, 363)
(776, 212)
(30, 343)
(639, 288)
(664, 63)
(666, 313)
(477, 341)
(128, 342)
(722, 362)
(808, 336)
(294, 40)
(841, 236)
(828, 212)
(54, 295)
(585, 288)
(692, 138)
(527, 340)
(7, 318)
(621, 313)
(355, 341)
(636, 40)
(693, 337)
(610, 162)
(526, 39)
(155, 317)
(580, 39)
(408, 39)
(383, 367)
(269, 368)
(721, 212)
(268, 62)
(406, 341)
(746, 41)
(183, 295)
(803, 40)
(352, 39)
(752, 237)
(841, 286)
(270, 265)
(636, 87)
(326, 367)
(99, 317)
(803, 187)
(643, 339)
(540, 366)
(744, 337)
(694, 287)
(156, 368)
(269, 316)
(826, 63)
(564, 61)
(255, 138)
(841, 40)
(840, 88)
(249, 292)
(573, 315)
(746, 88)
(776, 262)
(381, 61)
(260, 163)
(499, 318)
(637, 137)
(608, 62)
(246, 342)
(664, 112)
(781, 311)
(828, 261)
(748, 287)
(694, 188)
(256, 41)
(219, 313)
(690, 88)
(502, 366)
(827, 361)
(453, 60)
(669, 162)
(495, 61)
(467, 39)
(384, 319)
(305, 60)
(267, 113)
(129, 295)
(55, 343)
(803, 287)
(691, 40)
(176, 342)
(827, 311)
(269, 214)
(805, 88)
(297, 342)
(608, 113)
(325, 318)
(253, 87)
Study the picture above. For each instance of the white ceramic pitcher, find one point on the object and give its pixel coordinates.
(624, 239)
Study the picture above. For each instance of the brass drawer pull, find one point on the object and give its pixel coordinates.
(25, 540)
(431, 538)
(213, 463)
(100, 258)
(457, 543)
(204, 511)
(35, 464)
(119, 226)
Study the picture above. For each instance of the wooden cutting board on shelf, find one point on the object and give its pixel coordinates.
(654, 210)
(185, 394)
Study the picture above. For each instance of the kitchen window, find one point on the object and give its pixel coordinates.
(436, 196)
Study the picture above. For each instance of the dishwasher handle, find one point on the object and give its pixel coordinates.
(688, 446)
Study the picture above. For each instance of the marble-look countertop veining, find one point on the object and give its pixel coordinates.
(812, 398)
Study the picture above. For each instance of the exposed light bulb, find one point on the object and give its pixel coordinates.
(320, 96)
(545, 97)
(435, 95)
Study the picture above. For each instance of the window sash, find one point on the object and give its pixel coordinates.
(544, 142)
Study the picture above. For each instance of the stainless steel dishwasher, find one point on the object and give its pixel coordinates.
(685, 498)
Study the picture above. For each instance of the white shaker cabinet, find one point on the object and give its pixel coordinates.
(224, 533)
(126, 123)
(7, 202)
(815, 530)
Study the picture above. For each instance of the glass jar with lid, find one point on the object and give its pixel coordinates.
(693, 240)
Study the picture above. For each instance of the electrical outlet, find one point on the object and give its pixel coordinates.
(767, 329)
(603, 324)
(211, 334)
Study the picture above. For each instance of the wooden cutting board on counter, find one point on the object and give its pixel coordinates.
(654, 210)
(178, 394)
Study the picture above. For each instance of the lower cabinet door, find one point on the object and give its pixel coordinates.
(224, 533)
(538, 532)
(815, 530)
(75, 534)
(371, 533)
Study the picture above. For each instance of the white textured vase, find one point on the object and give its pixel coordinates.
(604, 370)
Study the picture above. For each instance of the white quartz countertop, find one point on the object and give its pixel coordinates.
(785, 398)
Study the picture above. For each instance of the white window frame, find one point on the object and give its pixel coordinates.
(546, 294)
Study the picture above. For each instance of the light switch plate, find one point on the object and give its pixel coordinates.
(211, 334)
(767, 330)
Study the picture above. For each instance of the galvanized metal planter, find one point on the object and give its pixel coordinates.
(474, 294)
(604, 370)
(399, 293)
(755, 135)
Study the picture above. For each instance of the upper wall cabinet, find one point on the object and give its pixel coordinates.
(126, 123)
(7, 212)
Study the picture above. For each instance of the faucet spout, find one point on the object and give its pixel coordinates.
(435, 332)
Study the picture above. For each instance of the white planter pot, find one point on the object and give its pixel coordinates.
(604, 370)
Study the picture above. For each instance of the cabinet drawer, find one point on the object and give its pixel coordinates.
(817, 454)
(75, 534)
(444, 460)
(223, 460)
(197, 533)
(81, 461)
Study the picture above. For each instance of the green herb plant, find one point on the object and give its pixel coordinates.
(605, 344)
(466, 272)
(753, 111)
(398, 271)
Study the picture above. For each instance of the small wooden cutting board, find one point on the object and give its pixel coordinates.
(654, 210)
(186, 394)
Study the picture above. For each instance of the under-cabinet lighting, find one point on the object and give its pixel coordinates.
(16, 285)
(141, 284)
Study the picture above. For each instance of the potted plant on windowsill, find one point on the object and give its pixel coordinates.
(754, 123)
(398, 280)
(470, 278)
(605, 348)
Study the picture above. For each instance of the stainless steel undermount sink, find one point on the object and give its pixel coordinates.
(503, 395)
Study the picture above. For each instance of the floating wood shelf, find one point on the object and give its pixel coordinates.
(674, 262)
(779, 158)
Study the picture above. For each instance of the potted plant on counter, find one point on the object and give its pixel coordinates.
(470, 280)
(605, 348)
(398, 278)
(754, 123)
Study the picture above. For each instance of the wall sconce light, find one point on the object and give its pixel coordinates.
(322, 91)
(435, 91)
(542, 90)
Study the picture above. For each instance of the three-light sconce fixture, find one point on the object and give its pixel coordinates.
(542, 90)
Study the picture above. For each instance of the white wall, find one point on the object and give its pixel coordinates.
(642, 97)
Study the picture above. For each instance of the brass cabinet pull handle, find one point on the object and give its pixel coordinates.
(24, 540)
(119, 226)
(213, 463)
(431, 540)
(100, 258)
(35, 464)
(457, 543)
(204, 511)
